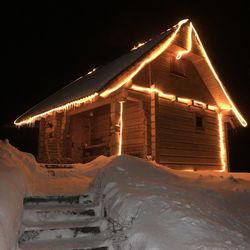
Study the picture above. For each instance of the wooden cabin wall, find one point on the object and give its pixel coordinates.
(87, 129)
(101, 125)
(77, 136)
(134, 129)
(42, 153)
(181, 144)
(50, 148)
(160, 73)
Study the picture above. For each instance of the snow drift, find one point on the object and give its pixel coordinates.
(16, 174)
(153, 208)
(148, 206)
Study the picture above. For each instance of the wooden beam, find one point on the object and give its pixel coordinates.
(154, 126)
(88, 106)
(115, 128)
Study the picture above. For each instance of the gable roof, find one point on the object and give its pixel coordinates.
(101, 81)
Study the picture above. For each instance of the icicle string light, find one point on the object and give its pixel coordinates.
(161, 48)
(64, 107)
(121, 128)
(148, 59)
(222, 143)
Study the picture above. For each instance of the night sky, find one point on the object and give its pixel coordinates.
(44, 47)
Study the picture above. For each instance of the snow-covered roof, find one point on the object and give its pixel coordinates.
(100, 80)
(95, 81)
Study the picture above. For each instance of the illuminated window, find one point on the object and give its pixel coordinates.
(178, 67)
(199, 121)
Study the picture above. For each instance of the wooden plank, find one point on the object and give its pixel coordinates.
(134, 129)
(189, 153)
(154, 126)
(115, 117)
(193, 167)
(189, 160)
(182, 139)
(189, 145)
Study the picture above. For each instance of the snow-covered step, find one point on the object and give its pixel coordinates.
(32, 234)
(62, 200)
(63, 222)
(94, 242)
(57, 166)
(56, 215)
(90, 222)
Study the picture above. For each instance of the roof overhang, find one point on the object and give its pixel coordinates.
(214, 84)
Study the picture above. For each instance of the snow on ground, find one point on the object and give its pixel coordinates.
(158, 208)
(67, 182)
(149, 206)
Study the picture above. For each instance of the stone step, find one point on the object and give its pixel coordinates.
(62, 200)
(94, 242)
(31, 216)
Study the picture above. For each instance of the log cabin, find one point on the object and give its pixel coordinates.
(162, 101)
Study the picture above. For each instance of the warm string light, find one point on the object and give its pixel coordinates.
(92, 71)
(173, 97)
(147, 60)
(153, 90)
(67, 106)
(161, 48)
(184, 100)
(234, 109)
(222, 143)
(121, 128)
(200, 104)
(137, 46)
(189, 43)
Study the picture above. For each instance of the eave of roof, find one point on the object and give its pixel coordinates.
(92, 83)
(86, 88)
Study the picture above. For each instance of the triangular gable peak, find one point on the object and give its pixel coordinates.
(185, 43)
(182, 40)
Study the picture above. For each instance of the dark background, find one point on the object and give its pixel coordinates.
(45, 46)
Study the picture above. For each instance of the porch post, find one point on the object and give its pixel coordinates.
(154, 126)
(116, 115)
(115, 127)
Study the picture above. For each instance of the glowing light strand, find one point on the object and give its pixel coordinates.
(148, 59)
(189, 43)
(121, 128)
(173, 97)
(234, 109)
(137, 46)
(67, 106)
(222, 143)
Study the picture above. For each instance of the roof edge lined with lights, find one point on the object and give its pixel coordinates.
(153, 54)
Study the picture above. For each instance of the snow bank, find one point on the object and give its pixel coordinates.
(20, 175)
(16, 172)
(153, 208)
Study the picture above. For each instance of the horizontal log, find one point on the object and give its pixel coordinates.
(189, 160)
(172, 127)
(189, 145)
(205, 140)
(189, 153)
(193, 167)
(180, 107)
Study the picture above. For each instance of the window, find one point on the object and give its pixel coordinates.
(178, 67)
(199, 121)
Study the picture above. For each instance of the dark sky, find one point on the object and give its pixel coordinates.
(47, 46)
